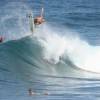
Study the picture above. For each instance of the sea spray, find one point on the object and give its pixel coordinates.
(79, 51)
(14, 23)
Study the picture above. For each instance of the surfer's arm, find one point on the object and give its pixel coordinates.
(42, 11)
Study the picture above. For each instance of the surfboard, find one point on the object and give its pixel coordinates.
(31, 22)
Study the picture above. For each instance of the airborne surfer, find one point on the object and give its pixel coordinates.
(36, 21)
(39, 19)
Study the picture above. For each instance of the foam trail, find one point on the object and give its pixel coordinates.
(82, 54)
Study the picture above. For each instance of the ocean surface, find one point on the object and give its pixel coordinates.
(60, 61)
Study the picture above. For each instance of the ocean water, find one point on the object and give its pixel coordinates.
(61, 58)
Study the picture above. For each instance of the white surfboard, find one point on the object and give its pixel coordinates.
(31, 22)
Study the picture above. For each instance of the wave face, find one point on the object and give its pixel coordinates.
(62, 57)
(50, 53)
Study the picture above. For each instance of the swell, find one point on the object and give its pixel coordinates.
(22, 59)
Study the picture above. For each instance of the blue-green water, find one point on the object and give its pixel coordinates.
(62, 58)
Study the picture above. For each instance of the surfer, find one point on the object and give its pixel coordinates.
(34, 93)
(35, 21)
(31, 92)
(1, 39)
(39, 19)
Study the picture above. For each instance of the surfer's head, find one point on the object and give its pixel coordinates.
(30, 91)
